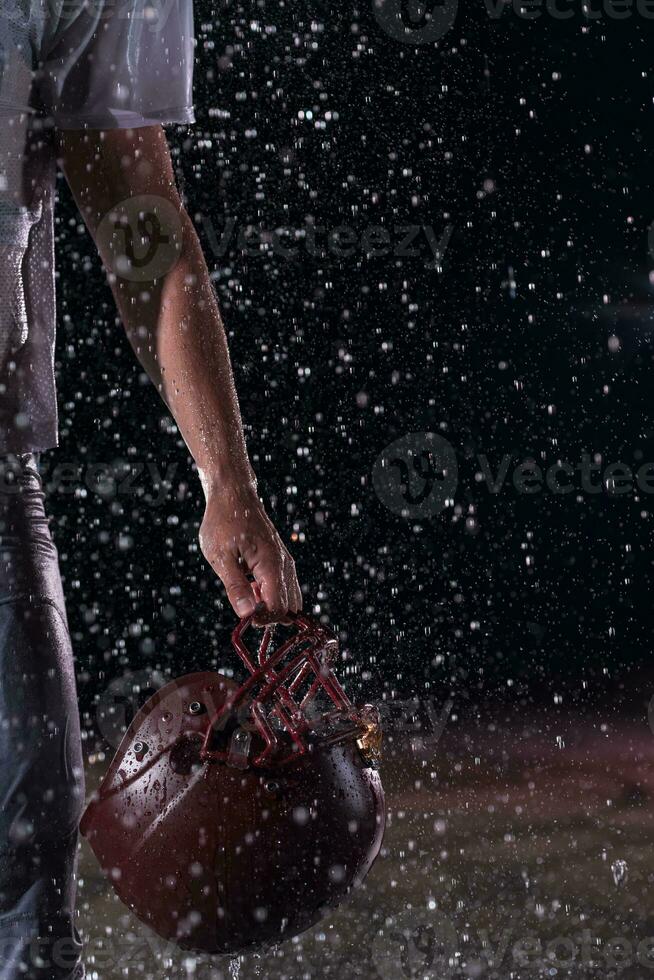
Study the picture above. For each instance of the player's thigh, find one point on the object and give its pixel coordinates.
(41, 768)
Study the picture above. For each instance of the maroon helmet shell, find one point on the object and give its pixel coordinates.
(236, 815)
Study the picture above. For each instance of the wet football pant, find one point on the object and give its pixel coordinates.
(41, 771)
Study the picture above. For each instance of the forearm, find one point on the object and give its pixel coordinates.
(176, 331)
(168, 307)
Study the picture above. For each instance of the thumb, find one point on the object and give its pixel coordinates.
(238, 587)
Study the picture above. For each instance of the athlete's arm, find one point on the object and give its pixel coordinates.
(174, 326)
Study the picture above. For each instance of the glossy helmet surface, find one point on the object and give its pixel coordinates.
(234, 816)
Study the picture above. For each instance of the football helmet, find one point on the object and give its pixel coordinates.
(236, 815)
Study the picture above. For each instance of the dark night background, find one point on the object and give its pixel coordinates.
(532, 139)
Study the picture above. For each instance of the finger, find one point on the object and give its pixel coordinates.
(292, 585)
(238, 588)
(290, 598)
(268, 570)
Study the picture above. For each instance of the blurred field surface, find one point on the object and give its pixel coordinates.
(513, 850)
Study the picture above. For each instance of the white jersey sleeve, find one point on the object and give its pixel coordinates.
(118, 64)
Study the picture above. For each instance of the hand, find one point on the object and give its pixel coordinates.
(238, 538)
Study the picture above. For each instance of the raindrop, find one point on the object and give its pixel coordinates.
(620, 871)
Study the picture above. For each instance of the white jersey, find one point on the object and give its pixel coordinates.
(66, 64)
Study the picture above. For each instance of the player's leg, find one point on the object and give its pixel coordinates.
(41, 773)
